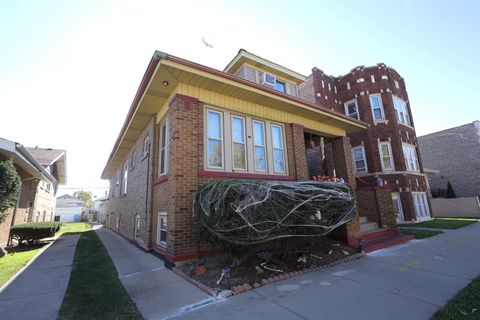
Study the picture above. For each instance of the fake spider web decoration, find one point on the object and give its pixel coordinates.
(247, 212)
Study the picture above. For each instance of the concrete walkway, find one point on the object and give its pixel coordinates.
(37, 293)
(408, 281)
(158, 292)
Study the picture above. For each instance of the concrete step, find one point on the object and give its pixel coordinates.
(368, 226)
(385, 242)
(362, 219)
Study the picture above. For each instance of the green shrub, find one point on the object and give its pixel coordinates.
(9, 187)
(32, 232)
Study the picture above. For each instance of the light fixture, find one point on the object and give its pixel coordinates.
(165, 83)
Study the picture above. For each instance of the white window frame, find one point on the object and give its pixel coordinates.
(160, 217)
(244, 142)
(222, 139)
(346, 104)
(227, 146)
(132, 159)
(264, 146)
(382, 157)
(401, 111)
(397, 199)
(410, 157)
(364, 159)
(124, 178)
(381, 107)
(282, 136)
(163, 160)
(146, 145)
(420, 203)
(137, 226)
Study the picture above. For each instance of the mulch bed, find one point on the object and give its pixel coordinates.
(264, 264)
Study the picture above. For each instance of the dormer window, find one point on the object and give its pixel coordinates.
(269, 79)
(280, 86)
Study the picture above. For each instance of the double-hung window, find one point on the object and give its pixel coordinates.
(259, 141)
(239, 143)
(125, 177)
(214, 139)
(278, 152)
(146, 145)
(163, 154)
(377, 107)
(421, 205)
(410, 156)
(359, 159)
(386, 157)
(162, 228)
(280, 86)
(401, 111)
(351, 109)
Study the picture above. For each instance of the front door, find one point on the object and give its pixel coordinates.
(397, 206)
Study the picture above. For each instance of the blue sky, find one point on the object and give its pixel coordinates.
(69, 69)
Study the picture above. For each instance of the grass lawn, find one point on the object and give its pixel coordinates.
(18, 257)
(94, 290)
(444, 223)
(14, 261)
(465, 305)
(420, 234)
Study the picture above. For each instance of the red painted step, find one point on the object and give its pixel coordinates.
(376, 240)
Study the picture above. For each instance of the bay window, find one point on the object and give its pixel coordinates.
(401, 111)
(420, 204)
(410, 157)
(377, 107)
(386, 155)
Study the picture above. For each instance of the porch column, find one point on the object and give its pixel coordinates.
(299, 153)
(342, 158)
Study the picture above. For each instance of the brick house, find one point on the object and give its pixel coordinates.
(41, 171)
(460, 165)
(385, 154)
(189, 124)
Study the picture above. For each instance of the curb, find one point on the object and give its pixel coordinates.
(247, 287)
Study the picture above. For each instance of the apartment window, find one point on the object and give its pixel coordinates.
(162, 228)
(259, 142)
(137, 225)
(397, 206)
(377, 107)
(239, 146)
(214, 140)
(278, 149)
(280, 86)
(401, 111)
(386, 155)
(125, 177)
(410, 156)
(132, 159)
(146, 145)
(420, 204)
(359, 159)
(351, 109)
(163, 154)
(117, 183)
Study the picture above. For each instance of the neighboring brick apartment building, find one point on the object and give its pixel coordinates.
(189, 124)
(387, 150)
(41, 171)
(460, 165)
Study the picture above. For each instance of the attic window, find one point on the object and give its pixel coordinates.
(269, 79)
(280, 86)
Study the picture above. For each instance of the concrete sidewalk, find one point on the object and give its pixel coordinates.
(37, 293)
(408, 281)
(158, 292)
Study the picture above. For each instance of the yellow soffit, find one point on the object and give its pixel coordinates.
(349, 125)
